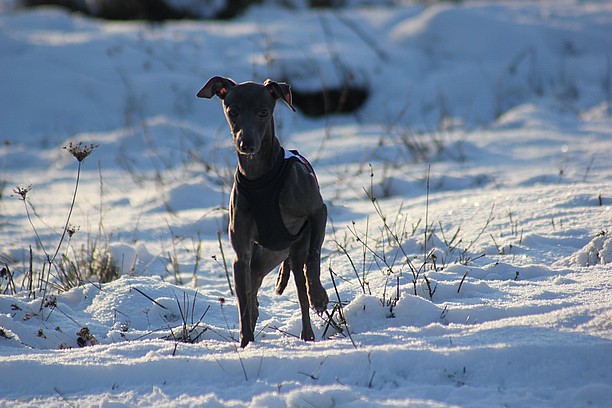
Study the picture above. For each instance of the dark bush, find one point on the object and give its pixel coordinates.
(326, 3)
(149, 10)
(234, 8)
(330, 101)
(72, 5)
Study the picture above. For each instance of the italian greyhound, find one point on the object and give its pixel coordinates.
(277, 214)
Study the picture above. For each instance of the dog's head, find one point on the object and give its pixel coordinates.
(248, 108)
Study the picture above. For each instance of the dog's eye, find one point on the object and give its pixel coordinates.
(263, 113)
(233, 112)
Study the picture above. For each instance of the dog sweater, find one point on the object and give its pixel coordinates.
(263, 195)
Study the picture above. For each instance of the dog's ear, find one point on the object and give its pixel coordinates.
(216, 86)
(280, 90)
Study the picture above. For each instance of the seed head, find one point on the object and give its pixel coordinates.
(79, 150)
(22, 191)
(50, 301)
(85, 338)
(72, 229)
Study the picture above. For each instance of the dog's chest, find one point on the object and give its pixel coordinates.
(262, 197)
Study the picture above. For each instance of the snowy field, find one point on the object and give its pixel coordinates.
(470, 209)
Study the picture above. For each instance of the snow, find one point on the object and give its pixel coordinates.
(485, 142)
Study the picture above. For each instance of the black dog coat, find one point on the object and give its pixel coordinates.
(263, 194)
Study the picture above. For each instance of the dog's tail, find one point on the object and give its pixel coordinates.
(283, 277)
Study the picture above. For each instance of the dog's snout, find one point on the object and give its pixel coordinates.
(246, 143)
(246, 148)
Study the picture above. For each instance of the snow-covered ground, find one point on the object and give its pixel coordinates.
(486, 141)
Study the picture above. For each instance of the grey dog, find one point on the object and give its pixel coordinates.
(277, 214)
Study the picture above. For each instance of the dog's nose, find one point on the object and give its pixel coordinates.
(246, 147)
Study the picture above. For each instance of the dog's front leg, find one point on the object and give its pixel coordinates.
(241, 234)
(243, 286)
(316, 292)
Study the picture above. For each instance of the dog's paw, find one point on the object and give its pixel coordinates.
(246, 338)
(307, 334)
(318, 299)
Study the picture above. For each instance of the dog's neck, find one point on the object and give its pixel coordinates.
(256, 165)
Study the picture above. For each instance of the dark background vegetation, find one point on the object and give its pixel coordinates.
(160, 10)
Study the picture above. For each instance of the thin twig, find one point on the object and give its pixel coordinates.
(369, 41)
(343, 249)
(149, 297)
(227, 274)
(426, 215)
(462, 280)
(331, 273)
(284, 331)
(246, 377)
(74, 195)
(489, 220)
(64, 398)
